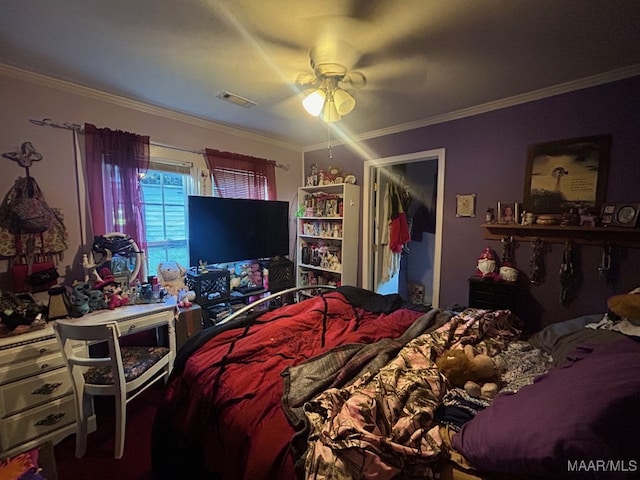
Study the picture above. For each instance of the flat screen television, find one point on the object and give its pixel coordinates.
(225, 230)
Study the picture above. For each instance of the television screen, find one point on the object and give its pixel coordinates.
(230, 229)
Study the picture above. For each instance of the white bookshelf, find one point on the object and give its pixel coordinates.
(327, 235)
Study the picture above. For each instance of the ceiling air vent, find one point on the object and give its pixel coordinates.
(236, 99)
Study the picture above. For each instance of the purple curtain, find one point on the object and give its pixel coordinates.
(115, 161)
(242, 176)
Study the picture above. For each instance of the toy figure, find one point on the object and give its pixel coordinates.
(111, 290)
(486, 263)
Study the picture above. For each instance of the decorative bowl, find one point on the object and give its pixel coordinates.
(547, 220)
(508, 274)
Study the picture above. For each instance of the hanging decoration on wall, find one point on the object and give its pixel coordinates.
(536, 263)
(32, 234)
(567, 275)
(25, 156)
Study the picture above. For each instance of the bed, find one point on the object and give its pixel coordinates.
(344, 385)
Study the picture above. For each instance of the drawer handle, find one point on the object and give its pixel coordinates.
(46, 389)
(132, 327)
(42, 350)
(44, 365)
(50, 419)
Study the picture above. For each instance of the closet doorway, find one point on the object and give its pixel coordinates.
(419, 179)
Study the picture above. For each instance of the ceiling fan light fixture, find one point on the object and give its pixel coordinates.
(344, 102)
(329, 112)
(314, 102)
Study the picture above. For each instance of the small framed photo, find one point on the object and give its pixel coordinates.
(508, 212)
(466, 205)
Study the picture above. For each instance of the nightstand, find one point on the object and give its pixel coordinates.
(492, 294)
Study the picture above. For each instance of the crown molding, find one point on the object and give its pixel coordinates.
(69, 87)
(587, 82)
(121, 101)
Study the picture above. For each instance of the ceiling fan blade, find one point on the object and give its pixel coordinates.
(354, 79)
(306, 79)
(401, 74)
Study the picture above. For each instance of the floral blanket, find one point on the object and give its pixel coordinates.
(382, 425)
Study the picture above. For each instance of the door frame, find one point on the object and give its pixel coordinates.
(369, 213)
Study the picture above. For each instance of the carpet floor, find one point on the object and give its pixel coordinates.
(98, 463)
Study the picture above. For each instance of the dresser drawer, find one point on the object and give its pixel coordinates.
(28, 368)
(37, 422)
(49, 360)
(33, 391)
(28, 350)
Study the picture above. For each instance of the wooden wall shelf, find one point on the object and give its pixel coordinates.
(629, 237)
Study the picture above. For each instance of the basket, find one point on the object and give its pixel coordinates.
(212, 286)
(281, 274)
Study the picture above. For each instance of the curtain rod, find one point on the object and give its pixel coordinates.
(47, 122)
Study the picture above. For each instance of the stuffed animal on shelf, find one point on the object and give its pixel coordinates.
(477, 374)
(171, 276)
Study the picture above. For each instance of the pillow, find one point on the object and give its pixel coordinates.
(547, 338)
(585, 411)
(626, 306)
(562, 338)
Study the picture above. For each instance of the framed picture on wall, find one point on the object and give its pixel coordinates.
(567, 174)
(466, 205)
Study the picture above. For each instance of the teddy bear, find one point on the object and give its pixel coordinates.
(171, 277)
(477, 374)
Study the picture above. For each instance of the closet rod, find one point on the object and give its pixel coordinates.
(47, 122)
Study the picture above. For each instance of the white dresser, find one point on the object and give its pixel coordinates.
(36, 394)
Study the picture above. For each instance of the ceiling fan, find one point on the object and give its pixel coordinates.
(327, 93)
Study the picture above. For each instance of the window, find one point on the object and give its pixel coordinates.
(165, 189)
(237, 183)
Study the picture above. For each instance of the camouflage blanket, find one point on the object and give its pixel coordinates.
(382, 425)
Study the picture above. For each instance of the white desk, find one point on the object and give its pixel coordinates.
(136, 318)
(36, 394)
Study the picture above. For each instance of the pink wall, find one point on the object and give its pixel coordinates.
(24, 96)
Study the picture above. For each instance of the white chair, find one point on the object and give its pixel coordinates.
(124, 373)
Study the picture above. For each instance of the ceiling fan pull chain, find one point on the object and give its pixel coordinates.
(329, 141)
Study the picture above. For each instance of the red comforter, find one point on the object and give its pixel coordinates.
(222, 416)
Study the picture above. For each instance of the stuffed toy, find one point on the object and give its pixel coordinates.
(110, 289)
(97, 300)
(113, 296)
(171, 276)
(477, 374)
(79, 299)
(626, 306)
